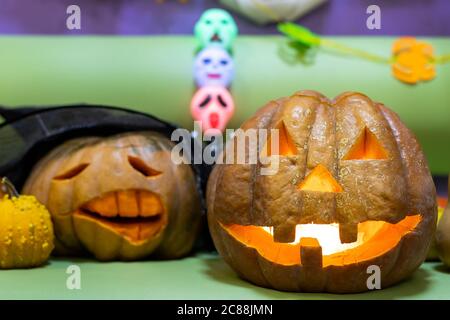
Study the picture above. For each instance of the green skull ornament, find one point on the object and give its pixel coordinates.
(216, 27)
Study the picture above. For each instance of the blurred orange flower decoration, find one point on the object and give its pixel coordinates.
(413, 60)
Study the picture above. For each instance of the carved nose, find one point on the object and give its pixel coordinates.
(320, 180)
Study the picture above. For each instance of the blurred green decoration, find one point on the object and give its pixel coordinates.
(411, 60)
(299, 34)
(302, 45)
(294, 52)
(303, 37)
(216, 27)
(269, 11)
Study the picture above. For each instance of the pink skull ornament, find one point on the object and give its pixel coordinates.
(214, 107)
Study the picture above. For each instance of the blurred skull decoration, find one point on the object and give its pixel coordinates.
(213, 66)
(352, 190)
(213, 106)
(118, 197)
(216, 27)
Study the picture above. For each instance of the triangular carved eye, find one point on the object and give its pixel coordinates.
(321, 180)
(286, 146)
(366, 147)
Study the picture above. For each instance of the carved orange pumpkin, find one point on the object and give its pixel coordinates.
(119, 197)
(352, 190)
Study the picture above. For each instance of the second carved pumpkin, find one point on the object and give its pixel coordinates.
(119, 197)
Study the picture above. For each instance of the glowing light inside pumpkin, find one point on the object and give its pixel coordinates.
(286, 147)
(326, 234)
(366, 147)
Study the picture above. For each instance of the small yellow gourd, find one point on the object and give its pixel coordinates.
(26, 231)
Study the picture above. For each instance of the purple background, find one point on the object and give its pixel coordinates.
(141, 17)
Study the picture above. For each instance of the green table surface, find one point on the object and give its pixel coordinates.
(154, 74)
(204, 276)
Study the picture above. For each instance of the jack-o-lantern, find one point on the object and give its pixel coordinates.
(118, 197)
(352, 190)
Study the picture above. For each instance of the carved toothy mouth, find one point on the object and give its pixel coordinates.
(135, 214)
(319, 245)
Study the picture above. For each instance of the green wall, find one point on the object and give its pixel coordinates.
(154, 74)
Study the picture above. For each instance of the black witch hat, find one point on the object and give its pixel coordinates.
(29, 133)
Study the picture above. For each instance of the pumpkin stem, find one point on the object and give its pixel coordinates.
(7, 187)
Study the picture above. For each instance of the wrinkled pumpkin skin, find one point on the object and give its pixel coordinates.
(78, 180)
(323, 131)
